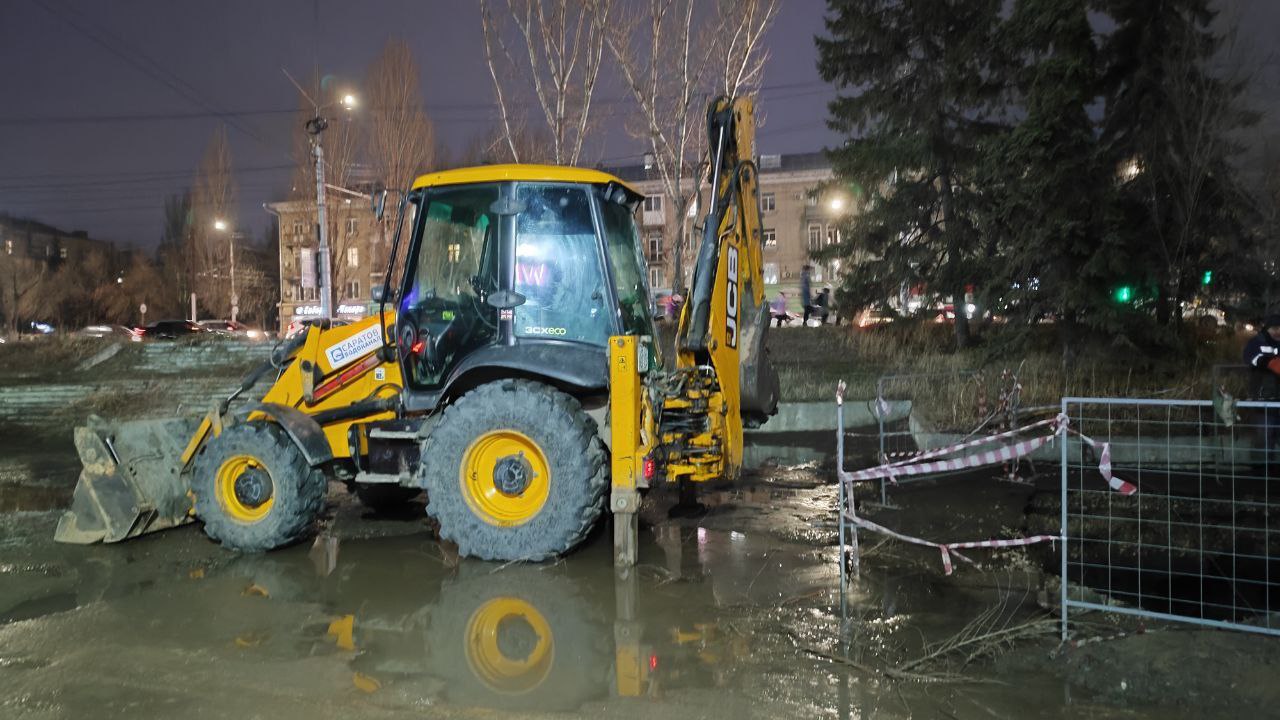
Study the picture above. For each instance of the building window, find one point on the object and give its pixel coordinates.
(455, 252)
(655, 277)
(771, 273)
(62, 253)
(815, 236)
(770, 238)
(816, 274)
(811, 199)
(833, 235)
(297, 228)
(353, 289)
(48, 251)
(353, 257)
(767, 203)
(351, 226)
(654, 246)
(8, 247)
(652, 203)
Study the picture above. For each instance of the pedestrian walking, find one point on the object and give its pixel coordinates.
(806, 291)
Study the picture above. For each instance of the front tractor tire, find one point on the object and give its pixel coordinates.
(514, 470)
(255, 490)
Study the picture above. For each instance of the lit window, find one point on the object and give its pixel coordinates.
(652, 203)
(655, 246)
(833, 235)
(455, 252)
(771, 273)
(8, 247)
(770, 238)
(767, 203)
(351, 226)
(297, 228)
(815, 236)
(811, 199)
(353, 257)
(62, 253)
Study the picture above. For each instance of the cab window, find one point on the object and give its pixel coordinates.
(559, 267)
(443, 313)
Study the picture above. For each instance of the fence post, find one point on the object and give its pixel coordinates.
(1062, 600)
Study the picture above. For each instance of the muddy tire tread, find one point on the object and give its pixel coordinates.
(567, 436)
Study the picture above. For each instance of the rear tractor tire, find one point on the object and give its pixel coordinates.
(255, 490)
(514, 471)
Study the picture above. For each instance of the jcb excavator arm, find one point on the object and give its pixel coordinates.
(685, 424)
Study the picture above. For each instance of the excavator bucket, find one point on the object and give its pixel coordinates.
(132, 482)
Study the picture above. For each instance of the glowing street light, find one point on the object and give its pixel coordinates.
(837, 203)
(349, 101)
(219, 225)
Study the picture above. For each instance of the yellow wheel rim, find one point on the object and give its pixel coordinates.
(509, 645)
(236, 504)
(505, 478)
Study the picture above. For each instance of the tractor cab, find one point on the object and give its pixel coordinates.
(517, 270)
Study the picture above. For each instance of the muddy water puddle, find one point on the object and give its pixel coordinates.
(733, 612)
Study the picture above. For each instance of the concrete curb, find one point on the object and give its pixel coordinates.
(821, 416)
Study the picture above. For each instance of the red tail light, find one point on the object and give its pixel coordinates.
(418, 347)
(653, 663)
(650, 468)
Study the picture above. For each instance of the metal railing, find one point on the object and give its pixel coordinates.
(1196, 542)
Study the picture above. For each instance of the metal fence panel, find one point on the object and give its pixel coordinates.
(1195, 543)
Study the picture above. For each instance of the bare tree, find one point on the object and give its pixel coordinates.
(743, 24)
(213, 202)
(564, 46)
(401, 137)
(672, 59)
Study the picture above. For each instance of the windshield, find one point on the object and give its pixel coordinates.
(558, 267)
(628, 268)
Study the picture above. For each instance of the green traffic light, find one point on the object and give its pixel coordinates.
(1207, 277)
(1123, 294)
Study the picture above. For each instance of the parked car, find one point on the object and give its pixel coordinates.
(232, 328)
(111, 332)
(171, 330)
(299, 326)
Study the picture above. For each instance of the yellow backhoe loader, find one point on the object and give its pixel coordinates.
(511, 372)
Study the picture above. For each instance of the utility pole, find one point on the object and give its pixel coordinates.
(315, 127)
(326, 277)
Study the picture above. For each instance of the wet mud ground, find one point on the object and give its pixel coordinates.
(735, 613)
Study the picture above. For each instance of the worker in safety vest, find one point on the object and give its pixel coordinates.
(1262, 354)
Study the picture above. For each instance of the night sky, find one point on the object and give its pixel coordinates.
(105, 108)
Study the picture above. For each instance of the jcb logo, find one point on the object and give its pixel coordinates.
(731, 298)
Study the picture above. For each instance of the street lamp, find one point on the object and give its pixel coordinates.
(315, 127)
(221, 226)
(837, 203)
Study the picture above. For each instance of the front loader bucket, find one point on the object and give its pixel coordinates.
(132, 482)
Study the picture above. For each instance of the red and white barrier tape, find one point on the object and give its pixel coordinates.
(914, 466)
(948, 549)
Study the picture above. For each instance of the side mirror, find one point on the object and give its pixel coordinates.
(379, 199)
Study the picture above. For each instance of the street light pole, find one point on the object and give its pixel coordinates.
(221, 226)
(326, 280)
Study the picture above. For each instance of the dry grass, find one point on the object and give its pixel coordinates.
(811, 360)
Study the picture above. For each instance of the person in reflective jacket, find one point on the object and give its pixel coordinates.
(1262, 355)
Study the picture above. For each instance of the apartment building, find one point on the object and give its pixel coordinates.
(800, 213)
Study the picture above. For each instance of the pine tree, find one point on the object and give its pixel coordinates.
(1048, 186)
(1167, 129)
(916, 86)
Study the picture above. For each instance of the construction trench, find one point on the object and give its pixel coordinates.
(737, 612)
